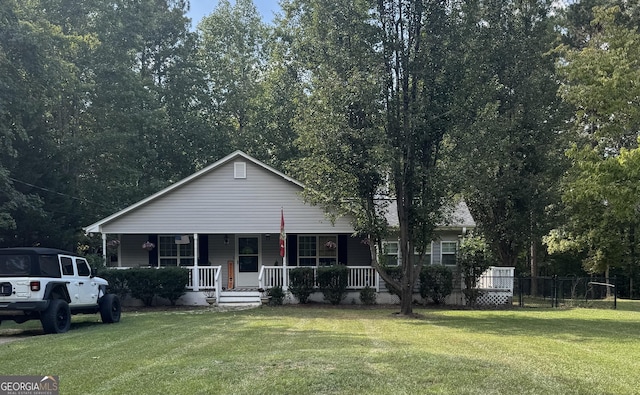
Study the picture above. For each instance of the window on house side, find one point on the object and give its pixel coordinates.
(448, 252)
(427, 255)
(391, 253)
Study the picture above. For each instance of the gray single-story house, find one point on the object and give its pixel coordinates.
(224, 224)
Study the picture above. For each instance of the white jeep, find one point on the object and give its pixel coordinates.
(51, 285)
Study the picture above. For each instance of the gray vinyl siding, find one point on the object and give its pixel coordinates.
(216, 202)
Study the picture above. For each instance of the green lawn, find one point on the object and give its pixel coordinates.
(325, 350)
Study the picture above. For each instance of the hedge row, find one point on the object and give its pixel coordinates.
(145, 284)
(436, 283)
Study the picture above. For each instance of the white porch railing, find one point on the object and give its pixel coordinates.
(359, 277)
(271, 276)
(496, 284)
(363, 276)
(497, 278)
(208, 278)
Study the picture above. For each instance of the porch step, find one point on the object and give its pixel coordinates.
(239, 298)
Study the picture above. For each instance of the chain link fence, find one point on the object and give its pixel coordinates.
(565, 292)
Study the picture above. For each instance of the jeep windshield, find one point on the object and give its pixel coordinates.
(19, 265)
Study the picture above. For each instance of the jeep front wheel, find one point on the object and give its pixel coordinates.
(57, 317)
(110, 309)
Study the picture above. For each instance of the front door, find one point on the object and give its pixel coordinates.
(248, 261)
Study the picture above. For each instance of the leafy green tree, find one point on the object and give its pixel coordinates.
(41, 113)
(602, 81)
(379, 81)
(233, 56)
(509, 150)
(103, 105)
(474, 258)
(135, 146)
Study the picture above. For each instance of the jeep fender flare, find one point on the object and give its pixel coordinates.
(57, 290)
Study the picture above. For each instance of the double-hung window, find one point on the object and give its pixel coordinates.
(448, 251)
(172, 254)
(391, 253)
(315, 250)
(427, 255)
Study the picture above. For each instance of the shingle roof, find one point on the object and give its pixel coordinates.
(457, 217)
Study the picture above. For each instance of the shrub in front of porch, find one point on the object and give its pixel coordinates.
(333, 281)
(473, 259)
(368, 296)
(277, 296)
(172, 283)
(436, 283)
(147, 283)
(143, 284)
(301, 283)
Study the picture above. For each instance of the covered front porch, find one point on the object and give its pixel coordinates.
(496, 283)
(207, 281)
(233, 265)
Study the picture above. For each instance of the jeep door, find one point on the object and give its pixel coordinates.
(87, 288)
(79, 287)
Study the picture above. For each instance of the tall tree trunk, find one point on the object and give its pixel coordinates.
(606, 279)
(534, 267)
(632, 257)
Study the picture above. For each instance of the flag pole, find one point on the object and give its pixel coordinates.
(283, 250)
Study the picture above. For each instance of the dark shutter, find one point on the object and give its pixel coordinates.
(153, 254)
(292, 250)
(343, 240)
(203, 250)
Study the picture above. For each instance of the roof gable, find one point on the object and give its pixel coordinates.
(224, 198)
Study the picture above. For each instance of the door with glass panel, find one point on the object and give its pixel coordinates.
(248, 261)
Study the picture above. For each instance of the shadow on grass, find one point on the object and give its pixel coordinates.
(11, 331)
(545, 324)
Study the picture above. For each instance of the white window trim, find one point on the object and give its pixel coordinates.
(415, 252)
(317, 256)
(397, 254)
(178, 257)
(240, 170)
(441, 250)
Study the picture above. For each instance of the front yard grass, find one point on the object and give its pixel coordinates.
(325, 350)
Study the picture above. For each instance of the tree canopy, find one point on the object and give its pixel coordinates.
(527, 111)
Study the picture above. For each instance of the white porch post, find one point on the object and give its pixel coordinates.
(285, 274)
(196, 272)
(104, 249)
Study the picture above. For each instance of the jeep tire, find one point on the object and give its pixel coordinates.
(110, 309)
(57, 317)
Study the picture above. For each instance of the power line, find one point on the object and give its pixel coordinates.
(56, 192)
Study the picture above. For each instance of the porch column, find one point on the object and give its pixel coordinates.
(104, 249)
(196, 272)
(285, 275)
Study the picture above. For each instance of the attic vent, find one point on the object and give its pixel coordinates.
(239, 170)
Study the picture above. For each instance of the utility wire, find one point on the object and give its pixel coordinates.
(56, 192)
